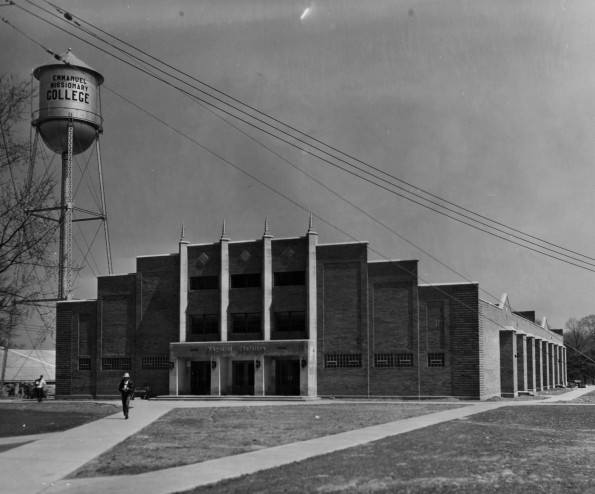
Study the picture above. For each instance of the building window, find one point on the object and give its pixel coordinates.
(393, 360)
(435, 360)
(155, 363)
(290, 321)
(116, 363)
(204, 282)
(251, 280)
(336, 360)
(245, 323)
(204, 324)
(84, 363)
(288, 278)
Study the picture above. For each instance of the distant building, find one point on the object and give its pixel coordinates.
(290, 316)
(24, 366)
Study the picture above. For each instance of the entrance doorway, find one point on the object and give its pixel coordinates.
(242, 372)
(200, 378)
(287, 378)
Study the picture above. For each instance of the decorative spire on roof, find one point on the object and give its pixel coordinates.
(183, 235)
(224, 231)
(311, 225)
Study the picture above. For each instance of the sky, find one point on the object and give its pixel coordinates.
(487, 104)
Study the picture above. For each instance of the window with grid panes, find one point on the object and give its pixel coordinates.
(84, 363)
(116, 363)
(342, 360)
(393, 360)
(155, 363)
(435, 360)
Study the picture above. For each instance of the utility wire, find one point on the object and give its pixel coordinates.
(67, 15)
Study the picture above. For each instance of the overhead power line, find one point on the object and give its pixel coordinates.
(448, 211)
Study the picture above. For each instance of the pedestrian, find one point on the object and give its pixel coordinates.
(39, 388)
(126, 390)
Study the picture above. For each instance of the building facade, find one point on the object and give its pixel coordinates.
(292, 317)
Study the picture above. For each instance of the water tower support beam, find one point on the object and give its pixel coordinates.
(103, 208)
(65, 262)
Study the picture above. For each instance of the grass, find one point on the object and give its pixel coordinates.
(528, 449)
(22, 418)
(190, 435)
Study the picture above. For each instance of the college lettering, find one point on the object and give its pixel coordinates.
(66, 94)
(69, 88)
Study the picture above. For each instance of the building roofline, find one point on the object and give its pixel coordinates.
(449, 284)
(392, 260)
(356, 242)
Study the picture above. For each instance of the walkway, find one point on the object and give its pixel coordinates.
(53, 456)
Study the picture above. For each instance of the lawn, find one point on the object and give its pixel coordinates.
(520, 449)
(21, 418)
(190, 435)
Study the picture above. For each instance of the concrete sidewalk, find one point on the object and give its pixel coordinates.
(56, 455)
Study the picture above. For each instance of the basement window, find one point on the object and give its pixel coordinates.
(116, 363)
(393, 360)
(155, 363)
(343, 360)
(84, 363)
(435, 360)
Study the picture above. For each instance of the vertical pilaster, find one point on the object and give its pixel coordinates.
(531, 386)
(267, 283)
(521, 362)
(538, 365)
(547, 364)
(224, 284)
(183, 274)
(312, 321)
(508, 364)
(564, 367)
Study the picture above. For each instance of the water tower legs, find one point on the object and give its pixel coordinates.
(65, 262)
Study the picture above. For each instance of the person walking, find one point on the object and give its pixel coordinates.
(126, 390)
(39, 388)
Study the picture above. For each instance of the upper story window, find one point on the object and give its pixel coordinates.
(288, 278)
(204, 282)
(290, 321)
(204, 324)
(245, 323)
(251, 280)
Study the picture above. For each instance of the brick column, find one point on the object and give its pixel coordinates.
(508, 364)
(521, 362)
(223, 284)
(267, 284)
(531, 386)
(183, 251)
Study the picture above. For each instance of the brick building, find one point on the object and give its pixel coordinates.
(290, 316)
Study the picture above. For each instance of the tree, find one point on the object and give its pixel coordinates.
(579, 338)
(26, 238)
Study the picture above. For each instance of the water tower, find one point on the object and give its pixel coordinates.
(69, 121)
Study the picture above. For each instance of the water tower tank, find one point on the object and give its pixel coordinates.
(68, 94)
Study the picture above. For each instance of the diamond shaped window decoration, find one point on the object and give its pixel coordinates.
(203, 258)
(245, 256)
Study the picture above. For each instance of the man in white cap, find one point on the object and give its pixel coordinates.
(126, 390)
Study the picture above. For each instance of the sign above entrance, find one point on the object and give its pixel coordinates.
(283, 348)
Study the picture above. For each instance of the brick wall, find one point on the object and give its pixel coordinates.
(342, 316)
